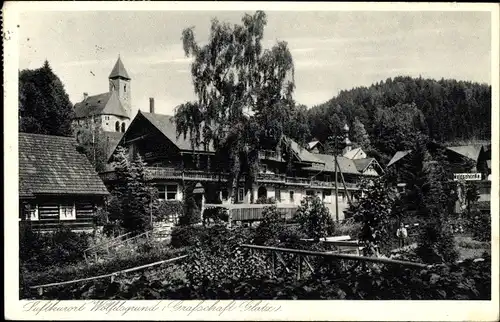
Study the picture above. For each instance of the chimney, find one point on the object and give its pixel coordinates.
(85, 95)
(151, 105)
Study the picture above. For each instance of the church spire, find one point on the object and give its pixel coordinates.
(119, 70)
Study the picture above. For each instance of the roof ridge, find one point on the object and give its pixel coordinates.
(46, 135)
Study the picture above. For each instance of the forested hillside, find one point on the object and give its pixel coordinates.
(395, 112)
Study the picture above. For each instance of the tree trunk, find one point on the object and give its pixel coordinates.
(232, 192)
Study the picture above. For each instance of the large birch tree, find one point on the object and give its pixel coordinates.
(244, 96)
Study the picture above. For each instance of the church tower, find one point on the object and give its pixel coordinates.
(119, 81)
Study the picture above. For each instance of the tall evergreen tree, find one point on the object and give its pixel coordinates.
(44, 105)
(133, 193)
(359, 135)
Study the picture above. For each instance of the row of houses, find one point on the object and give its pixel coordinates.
(58, 184)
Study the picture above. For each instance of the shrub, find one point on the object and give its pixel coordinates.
(216, 214)
(480, 226)
(314, 218)
(437, 244)
(348, 227)
(38, 251)
(374, 212)
(265, 200)
(290, 236)
(113, 229)
(272, 224)
(192, 213)
(168, 210)
(184, 236)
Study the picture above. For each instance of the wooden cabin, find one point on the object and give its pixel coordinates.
(57, 184)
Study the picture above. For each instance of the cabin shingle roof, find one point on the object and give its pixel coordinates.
(52, 165)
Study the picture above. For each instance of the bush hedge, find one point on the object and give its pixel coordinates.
(184, 236)
(81, 270)
(40, 250)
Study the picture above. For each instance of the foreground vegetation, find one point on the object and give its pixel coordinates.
(218, 268)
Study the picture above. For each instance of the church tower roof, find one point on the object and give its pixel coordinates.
(119, 70)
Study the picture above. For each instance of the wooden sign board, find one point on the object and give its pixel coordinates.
(467, 176)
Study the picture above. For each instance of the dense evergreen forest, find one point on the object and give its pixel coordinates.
(389, 116)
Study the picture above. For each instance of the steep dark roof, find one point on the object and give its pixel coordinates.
(346, 165)
(398, 156)
(52, 165)
(166, 125)
(362, 164)
(112, 140)
(468, 151)
(303, 154)
(92, 105)
(105, 103)
(119, 70)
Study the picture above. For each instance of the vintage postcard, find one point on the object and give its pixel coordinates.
(251, 161)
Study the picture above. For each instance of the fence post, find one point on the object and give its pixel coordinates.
(299, 270)
(273, 262)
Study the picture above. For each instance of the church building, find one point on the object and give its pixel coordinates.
(110, 110)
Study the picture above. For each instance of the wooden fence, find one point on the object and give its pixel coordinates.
(302, 258)
(112, 276)
(252, 212)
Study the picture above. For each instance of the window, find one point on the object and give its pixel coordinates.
(291, 196)
(327, 196)
(171, 192)
(34, 213)
(278, 194)
(225, 194)
(264, 168)
(30, 212)
(123, 127)
(241, 194)
(117, 126)
(125, 88)
(67, 212)
(161, 192)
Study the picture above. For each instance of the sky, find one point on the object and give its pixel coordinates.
(332, 51)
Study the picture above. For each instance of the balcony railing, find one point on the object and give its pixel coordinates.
(167, 173)
(269, 155)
